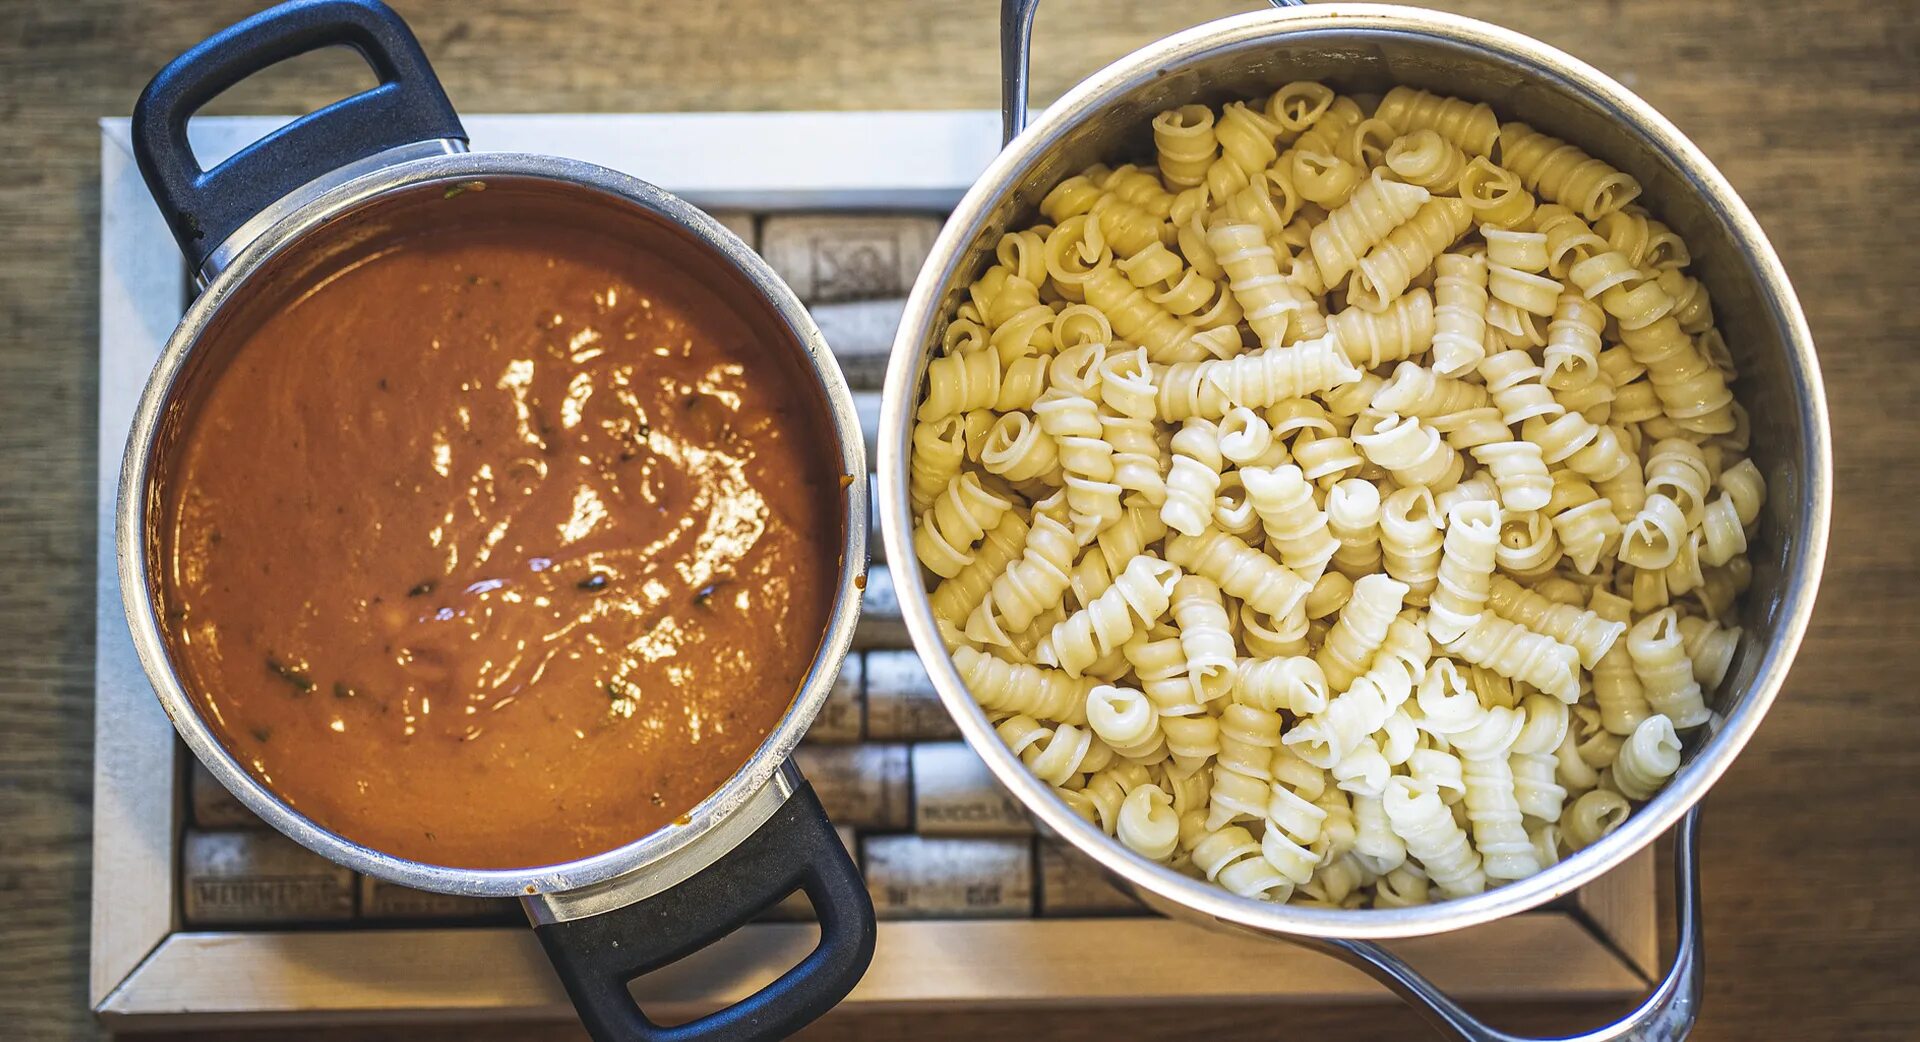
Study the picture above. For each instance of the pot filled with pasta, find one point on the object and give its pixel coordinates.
(1368, 473)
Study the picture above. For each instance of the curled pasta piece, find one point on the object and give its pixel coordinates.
(1139, 461)
(1322, 177)
(1447, 705)
(1086, 460)
(1591, 817)
(1029, 586)
(1138, 597)
(1294, 525)
(1564, 174)
(1242, 774)
(1528, 546)
(1331, 592)
(1418, 817)
(1270, 636)
(1653, 539)
(1246, 137)
(1240, 570)
(1584, 631)
(1245, 437)
(1517, 653)
(1385, 273)
(1373, 338)
(1677, 469)
(1299, 105)
(1459, 313)
(960, 382)
(1147, 824)
(1231, 857)
(1294, 683)
(1361, 629)
(1647, 758)
(1353, 519)
(1666, 674)
(1184, 139)
(1160, 664)
(1018, 450)
(1418, 391)
(1469, 126)
(1376, 208)
(1139, 320)
(945, 536)
(1710, 646)
(1424, 158)
(1573, 342)
(1008, 687)
(1194, 478)
(1532, 759)
(1263, 294)
(1410, 541)
(1584, 522)
(1519, 472)
(1255, 379)
(1126, 720)
(1206, 636)
(1493, 810)
(1466, 569)
(1514, 382)
(1411, 451)
(1126, 384)
(1494, 195)
(956, 598)
(939, 447)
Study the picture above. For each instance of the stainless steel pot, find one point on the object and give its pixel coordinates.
(317, 183)
(1365, 47)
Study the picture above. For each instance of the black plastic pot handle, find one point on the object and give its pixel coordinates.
(795, 849)
(204, 207)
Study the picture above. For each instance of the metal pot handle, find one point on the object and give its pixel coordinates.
(1667, 1015)
(601, 939)
(205, 207)
(1016, 38)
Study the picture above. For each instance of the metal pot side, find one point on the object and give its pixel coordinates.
(295, 222)
(1368, 48)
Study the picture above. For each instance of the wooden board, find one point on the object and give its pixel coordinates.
(1809, 108)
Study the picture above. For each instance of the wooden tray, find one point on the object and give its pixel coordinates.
(154, 968)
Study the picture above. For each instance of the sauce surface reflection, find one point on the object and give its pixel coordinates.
(500, 546)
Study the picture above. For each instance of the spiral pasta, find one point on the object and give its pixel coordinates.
(1562, 173)
(1347, 503)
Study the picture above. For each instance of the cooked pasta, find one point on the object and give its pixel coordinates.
(1346, 503)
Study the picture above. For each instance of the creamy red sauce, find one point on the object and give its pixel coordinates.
(500, 543)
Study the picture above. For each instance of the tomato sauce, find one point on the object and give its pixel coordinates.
(499, 541)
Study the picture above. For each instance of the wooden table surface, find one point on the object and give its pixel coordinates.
(1811, 108)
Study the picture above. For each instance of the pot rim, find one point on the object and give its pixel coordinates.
(300, 216)
(1551, 67)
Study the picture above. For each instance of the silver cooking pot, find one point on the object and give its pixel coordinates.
(1362, 48)
(396, 156)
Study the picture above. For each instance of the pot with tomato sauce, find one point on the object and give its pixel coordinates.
(493, 524)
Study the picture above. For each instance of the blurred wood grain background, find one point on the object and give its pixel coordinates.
(1811, 108)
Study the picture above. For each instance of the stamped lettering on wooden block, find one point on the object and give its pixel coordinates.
(861, 786)
(843, 714)
(1072, 884)
(922, 877)
(380, 899)
(828, 258)
(901, 702)
(955, 794)
(213, 806)
(260, 877)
